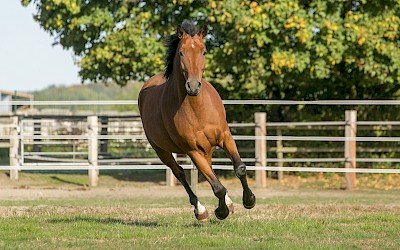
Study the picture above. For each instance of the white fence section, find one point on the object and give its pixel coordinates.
(26, 132)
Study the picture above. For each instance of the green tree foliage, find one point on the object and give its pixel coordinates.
(285, 49)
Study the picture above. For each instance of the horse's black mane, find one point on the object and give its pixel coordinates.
(172, 42)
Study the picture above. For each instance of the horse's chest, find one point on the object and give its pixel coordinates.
(196, 131)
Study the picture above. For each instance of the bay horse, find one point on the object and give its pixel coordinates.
(183, 113)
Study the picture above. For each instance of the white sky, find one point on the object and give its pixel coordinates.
(28, 61)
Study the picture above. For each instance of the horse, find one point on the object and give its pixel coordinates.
(183, 113)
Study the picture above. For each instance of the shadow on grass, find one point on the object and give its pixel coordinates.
(156, 176)
(66, 181)
(134, 223)
(197, 224)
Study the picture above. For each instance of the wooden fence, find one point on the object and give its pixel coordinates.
(95, 133)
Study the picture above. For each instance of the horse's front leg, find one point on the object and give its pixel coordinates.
(225, 204)
(229, 146)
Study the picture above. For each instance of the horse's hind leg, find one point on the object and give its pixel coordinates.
(199, 210)
(225, 205)
(229, 146)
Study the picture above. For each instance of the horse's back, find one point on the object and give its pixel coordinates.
(154, 81)
(149, 89)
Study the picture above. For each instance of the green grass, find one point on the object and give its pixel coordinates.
(369, 220)
(127, 214)
(108, 178)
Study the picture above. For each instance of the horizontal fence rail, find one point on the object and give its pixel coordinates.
(236, 137)
(227, 102)
(218, 160)
(217, 167)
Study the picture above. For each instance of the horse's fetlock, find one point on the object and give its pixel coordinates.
(193, 201)
(220, 191)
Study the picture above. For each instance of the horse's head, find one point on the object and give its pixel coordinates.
(192, 53)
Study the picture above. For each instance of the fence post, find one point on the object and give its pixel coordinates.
(93, 130)
(279, 152)
(260, 119)
(14, 148)
(170, 177)
(350, 146)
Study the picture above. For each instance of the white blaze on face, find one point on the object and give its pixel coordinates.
(193, 45)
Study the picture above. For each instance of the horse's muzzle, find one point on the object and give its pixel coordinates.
(193, 88)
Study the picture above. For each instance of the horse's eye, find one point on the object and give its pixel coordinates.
(180, 53)
(204, 53)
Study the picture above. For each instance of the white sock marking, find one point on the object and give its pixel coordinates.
(228, 200)
(200, 209)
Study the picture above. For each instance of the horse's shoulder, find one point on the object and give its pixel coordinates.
(204, 81)
(209, 85)
(210, 88)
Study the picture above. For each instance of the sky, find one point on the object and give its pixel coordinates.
(28, 61)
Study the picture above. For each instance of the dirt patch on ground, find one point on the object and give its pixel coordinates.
(69, 186)
(171, 192)
(33, 193)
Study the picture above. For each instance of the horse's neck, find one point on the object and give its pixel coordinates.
(176, 83)
(178, 98)
(176, 91)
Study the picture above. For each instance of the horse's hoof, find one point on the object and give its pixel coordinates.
(202, 217)
(221, 216)
(249, 202)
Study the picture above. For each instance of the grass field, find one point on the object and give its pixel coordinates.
(62, 213)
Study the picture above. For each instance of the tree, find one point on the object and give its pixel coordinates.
(112, 40)
(285, 49)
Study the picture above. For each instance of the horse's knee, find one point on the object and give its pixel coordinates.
(240, 171)
(219, 191)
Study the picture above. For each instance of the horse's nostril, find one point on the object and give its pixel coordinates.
(199, 84)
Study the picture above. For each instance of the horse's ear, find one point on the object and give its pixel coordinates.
(180, 32)
(202, 32)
